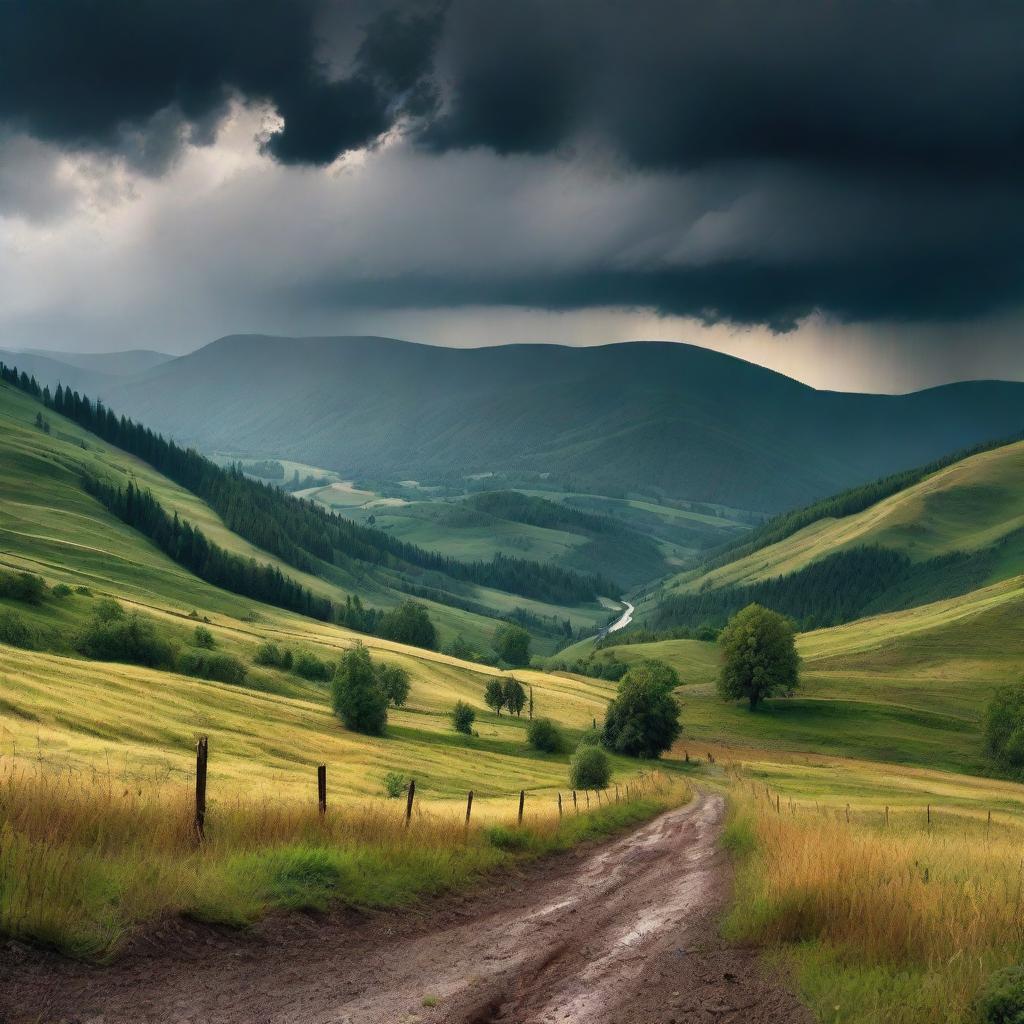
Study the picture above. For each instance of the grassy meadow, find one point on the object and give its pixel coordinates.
(882, 911)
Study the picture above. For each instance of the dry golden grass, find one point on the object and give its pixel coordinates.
(901, 922)
(86, 858)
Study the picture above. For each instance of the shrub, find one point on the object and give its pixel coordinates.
(505, 838)
(111, 635)
(458, 648)
(310, 667)
(409, 624)
(643, 720)
(222, 668)
(84, 591)
(22, 586)
(394, 785)
(202, 637)
(15, 631)
(589, 768)
(271, 655)
(356, 695)
(544, 735)
(1004, 726)
(1002, 1002)
(512, 644)
(61, 590)
(463, 717)
(394, 681)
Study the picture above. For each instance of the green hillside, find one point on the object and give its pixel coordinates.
(656, 419)
(955, 530)
(41, 497)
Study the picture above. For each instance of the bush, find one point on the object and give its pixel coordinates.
(272, 656)
(512, 644)
(310, 667)
(111, 635)
(409, 624)
(505, 838)
(394, 785)
(22, 586)
(356, 695)
(222, 668)
(1004, 726)
(15, 631)
(394, 681)
(463, 717)
(643, 720)
(61, 590)
(458, 648)
(544, 735)
(1002, 1002)
(202, 637)
(84, 591)
(589, 768)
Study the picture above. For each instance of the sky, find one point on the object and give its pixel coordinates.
(834, 190)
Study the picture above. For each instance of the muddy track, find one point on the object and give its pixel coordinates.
(624, 932)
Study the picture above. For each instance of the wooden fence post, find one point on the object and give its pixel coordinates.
(587, 792)
(321, 788)
(531, 703)
(778, 803)
(559, 804)
(469, 806)
(202, 749)
(616, 792)
(989, 826)
(522, 800)
(886, 815)
(929, 815)
(847, 814)
(575, 805)
(408, 802)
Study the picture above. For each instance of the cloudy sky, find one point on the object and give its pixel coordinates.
(835, 189)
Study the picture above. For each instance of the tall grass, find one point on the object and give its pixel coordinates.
(84, 861)
(901, 923)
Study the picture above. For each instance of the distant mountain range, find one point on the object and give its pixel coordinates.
(659, 418)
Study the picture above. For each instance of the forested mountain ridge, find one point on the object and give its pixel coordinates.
(652, 417)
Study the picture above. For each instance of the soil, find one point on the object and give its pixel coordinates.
(625, 932)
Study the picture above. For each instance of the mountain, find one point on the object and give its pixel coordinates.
(650, 417)
(114, 364)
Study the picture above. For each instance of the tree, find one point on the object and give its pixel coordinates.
(494, 695)
(759, 656)
(544, 735)
(409, 624)
(1004, 726)
(589, 768)
(643, 719)
(463, 717)
(657, 673)
(202, 637)
(515, 696)
(356, 695)
(394, 681)
(512, 644)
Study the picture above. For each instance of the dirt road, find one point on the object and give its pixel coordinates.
(625, 932)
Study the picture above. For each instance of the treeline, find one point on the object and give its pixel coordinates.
(189, 547)
(302, 533)
(846, 503)
(265, 469)
(533, 511)
(840, 588)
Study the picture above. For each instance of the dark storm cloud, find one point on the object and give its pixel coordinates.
(139, 78)
(902, 122)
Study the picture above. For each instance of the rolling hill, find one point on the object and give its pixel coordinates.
(654, 418)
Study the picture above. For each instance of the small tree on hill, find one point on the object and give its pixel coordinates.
(544, 735)
(463, 717)
(759, 657)
(409, 624)
(515, 696)
(1004, 726)
(494, 695)
(589, 768)
(394, 681)
(643, 719)
(356, 693)
(512, 644)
